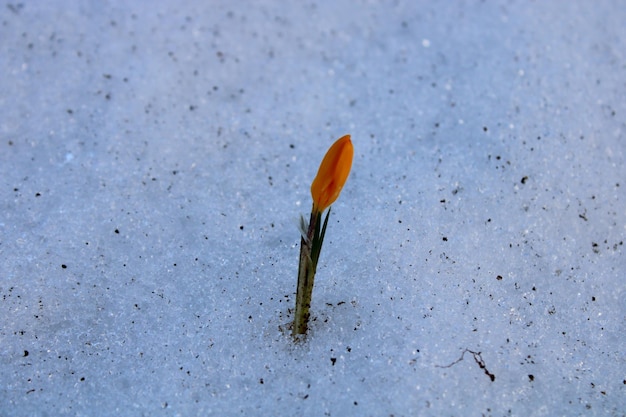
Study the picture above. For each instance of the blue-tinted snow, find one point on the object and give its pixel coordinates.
(155, 158)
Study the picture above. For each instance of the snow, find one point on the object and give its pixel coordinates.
(155, 158)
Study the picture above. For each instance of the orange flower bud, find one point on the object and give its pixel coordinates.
(332, 174)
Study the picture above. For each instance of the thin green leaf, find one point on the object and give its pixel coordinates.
(315, 246)
(323, 233)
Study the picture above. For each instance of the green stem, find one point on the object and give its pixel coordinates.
(306, 277)
(310, 248)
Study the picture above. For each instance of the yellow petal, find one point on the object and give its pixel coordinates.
(332, 174)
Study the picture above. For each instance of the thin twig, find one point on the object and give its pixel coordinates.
(479, 361)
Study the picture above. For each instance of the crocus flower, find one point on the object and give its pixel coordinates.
(332, 174)
(327, 185)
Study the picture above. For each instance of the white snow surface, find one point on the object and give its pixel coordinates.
(155, 157)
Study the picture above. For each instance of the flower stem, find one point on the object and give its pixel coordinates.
(310, 248)
(306, 277)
